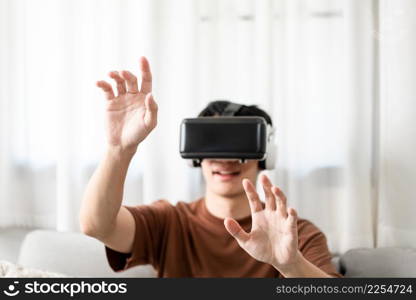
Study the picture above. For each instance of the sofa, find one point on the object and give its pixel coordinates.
(76, 255)
(68, 253)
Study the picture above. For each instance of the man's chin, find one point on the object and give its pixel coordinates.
(228, 193)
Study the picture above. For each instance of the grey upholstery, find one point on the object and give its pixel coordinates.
(73, 254)
(379, 262)
(10, 242)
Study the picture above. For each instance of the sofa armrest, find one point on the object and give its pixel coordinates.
(10, 242)
(73, 254)
(379, 262)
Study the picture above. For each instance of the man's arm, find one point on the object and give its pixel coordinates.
(131, 116)
(102, 215)
(274, 236)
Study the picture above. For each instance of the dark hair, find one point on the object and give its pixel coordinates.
(218, 107)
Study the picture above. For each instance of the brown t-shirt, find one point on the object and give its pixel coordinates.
(186, 240)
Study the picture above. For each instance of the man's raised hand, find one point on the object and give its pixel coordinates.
(132, 113)
(273, 238)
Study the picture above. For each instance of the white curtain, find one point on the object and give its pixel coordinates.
(335, 75)
(396, 223)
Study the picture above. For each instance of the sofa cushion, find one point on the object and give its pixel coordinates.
(10, 242)
(379, 262)
(73, 254)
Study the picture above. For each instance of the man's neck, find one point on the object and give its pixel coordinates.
(235, 207)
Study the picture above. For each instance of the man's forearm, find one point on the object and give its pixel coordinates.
(104, 193)
(302, 268)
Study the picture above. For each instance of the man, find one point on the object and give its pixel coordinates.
(227, 233)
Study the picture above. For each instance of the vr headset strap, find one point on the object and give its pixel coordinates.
(231, 109)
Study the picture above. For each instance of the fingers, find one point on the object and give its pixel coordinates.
(281, 201)
(275, 198)
(106, 87)
(131, 82)
(146, 86)
(292, 217)
(150, 117)
(127, 82)
(253, 197)
(121, 83)
(267, 187)
(235, 230)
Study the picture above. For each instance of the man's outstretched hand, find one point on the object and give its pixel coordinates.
(132, 113)
(274, 237)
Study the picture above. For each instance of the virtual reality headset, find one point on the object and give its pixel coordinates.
(235, 138)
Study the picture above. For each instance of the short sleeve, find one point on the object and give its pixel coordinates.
(313, 245)
(151, 227)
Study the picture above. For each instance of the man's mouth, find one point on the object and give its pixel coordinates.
(225, 175)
